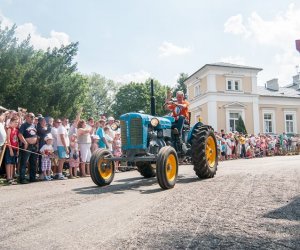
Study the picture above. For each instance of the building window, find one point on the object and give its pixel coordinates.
(268, 123)
(233, 118)
(197, 90)
(233, 85)
(290, 123)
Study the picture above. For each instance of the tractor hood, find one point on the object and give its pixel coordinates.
(164, 122)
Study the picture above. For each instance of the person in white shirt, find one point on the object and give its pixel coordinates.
(47, 152)
(63, 144)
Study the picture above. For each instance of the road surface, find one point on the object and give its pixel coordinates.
(250, 204)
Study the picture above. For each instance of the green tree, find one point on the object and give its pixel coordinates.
(44, 82)
(134, 97)
(240, 126)
(100, 95)
(180, 84)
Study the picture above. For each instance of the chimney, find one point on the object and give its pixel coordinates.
(272, 84)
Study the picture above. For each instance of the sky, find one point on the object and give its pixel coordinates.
(132, 40)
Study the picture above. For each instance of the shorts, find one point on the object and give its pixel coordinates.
(11, 159)
(62, 154)
(74, 163)
(46, 163)
(85, 152)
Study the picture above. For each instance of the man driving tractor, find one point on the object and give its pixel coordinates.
(180, 110)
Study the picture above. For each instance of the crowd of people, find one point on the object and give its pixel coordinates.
(235, 145)
(44, 146)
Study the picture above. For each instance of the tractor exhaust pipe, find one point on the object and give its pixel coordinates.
(153, 110)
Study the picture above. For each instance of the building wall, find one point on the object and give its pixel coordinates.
(203, 85)
(279, 120)
(191, 92)
(248, 115)
(247, 84)
(202, 111)
(220, 83)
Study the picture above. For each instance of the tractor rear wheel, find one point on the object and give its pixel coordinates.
(167, 167)
(102, 170)
(146, 169)
(204, 152)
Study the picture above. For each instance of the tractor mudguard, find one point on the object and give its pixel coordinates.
(198, 124)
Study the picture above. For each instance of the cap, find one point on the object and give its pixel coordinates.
(48, 137)
(110, 118)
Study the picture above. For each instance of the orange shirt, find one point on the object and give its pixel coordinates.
(177, 110)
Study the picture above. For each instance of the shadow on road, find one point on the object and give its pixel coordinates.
(133, 184)
(291, 211)
(173, 239)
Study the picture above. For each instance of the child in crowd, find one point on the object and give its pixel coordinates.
(117, 151)
(223, 149)
(12, 151)
(249, 151)
(47, 151)
(95, 143)
(74, 157)
(109, 140)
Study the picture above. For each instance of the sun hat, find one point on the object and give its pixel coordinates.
(110, 118)
(48, 137)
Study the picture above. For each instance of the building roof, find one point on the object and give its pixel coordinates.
(282, 92)
(223, 64)
(231, 65)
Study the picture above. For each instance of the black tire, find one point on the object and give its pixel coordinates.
(146, 169)
(204, 152)
(167, 167)
(102, 170)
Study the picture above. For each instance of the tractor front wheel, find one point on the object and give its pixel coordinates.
(102, 170)
(167, 167)
(204, 152)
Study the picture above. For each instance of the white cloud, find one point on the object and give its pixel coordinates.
(169, 49)
(140, 76)
(5, 22)
(56, 39)
(235, 25)
(233, 59)
(278, 34)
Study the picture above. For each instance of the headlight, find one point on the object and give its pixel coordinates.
(154, 122)
(114, 126)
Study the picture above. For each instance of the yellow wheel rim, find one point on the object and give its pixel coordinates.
(210, 151)
(171, 167)
(105, 168)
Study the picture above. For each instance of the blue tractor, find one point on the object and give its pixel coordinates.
(155, 147)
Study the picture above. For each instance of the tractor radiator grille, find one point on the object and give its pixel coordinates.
(135, 132)
(123, 132)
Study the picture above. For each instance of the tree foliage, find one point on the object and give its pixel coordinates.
(134, 97)
(43, 82)
(180, 84)
(100, 95)
(240, 126)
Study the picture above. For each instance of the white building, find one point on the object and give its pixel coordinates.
(221, 92)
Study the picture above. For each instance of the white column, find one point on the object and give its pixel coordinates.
(254, 84)
(212, 114)
(211, 83)
(256, 122)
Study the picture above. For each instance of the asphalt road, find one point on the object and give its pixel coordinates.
(250, 204)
